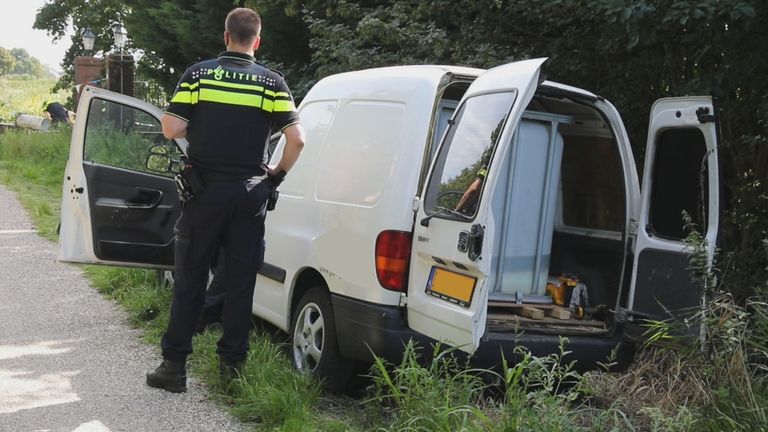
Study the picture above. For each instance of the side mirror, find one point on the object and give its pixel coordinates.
(159, 159)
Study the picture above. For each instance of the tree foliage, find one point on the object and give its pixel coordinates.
(7, 62)
(26, 64)
(630, 51)
(100, 16)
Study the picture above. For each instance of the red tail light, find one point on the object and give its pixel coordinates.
(393, 253)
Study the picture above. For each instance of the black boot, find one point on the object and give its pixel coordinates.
(170, 376)
(229, 370)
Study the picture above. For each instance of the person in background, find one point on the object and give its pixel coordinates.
(56, 112)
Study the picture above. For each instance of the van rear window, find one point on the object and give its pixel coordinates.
(458, 177)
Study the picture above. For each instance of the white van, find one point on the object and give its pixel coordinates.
(371, 243)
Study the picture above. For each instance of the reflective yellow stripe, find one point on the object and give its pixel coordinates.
(205, 94)
(225, 97)
(284, 106)
(232, 85)
(182, 97)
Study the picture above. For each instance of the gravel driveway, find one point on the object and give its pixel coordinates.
(69, 361)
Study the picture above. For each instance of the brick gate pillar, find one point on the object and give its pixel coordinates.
(87, 70)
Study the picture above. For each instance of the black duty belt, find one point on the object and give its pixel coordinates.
(214, 177)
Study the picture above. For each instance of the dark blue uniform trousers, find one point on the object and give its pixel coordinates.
(229, 214)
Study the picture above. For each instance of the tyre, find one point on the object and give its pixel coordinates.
(314, 347)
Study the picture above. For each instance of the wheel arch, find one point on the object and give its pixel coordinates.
(306, 279)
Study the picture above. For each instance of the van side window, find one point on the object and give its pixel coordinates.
(680, 182)
(122, 136)
(463, 162)
(316, 117)
(359, 159)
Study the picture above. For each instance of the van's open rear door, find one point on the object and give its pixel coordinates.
(681, 176)
(453, 239)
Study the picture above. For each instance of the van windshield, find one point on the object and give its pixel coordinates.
(457, 180)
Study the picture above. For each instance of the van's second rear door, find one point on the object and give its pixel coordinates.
(681, 176)
(453, 233)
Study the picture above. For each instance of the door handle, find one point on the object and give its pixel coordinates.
(145, 198)
(475, 244)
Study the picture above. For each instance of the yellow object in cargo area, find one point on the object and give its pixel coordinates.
(560, 287)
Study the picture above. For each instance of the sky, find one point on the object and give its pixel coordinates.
(16, 32)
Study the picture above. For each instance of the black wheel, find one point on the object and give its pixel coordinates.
(314, 347)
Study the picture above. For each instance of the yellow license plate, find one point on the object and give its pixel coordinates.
(451, 286)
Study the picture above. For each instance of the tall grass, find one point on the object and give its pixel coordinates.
(715, 382)
(721, 385)
(270, 394)
(25, 95)
(32, 164)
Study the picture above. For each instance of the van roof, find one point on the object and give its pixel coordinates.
(385, 81)
(395, 83)
(408, 71)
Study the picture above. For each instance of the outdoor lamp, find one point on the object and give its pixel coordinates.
(88, 39)
(121, 36)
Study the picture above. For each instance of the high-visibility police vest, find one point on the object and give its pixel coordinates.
(232, 105)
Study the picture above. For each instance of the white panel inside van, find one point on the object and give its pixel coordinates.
(359, 158)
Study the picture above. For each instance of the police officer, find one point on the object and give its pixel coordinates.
(226, 108)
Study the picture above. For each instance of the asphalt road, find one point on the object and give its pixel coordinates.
(69, 362)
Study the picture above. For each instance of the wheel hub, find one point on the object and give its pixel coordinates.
(308, 338)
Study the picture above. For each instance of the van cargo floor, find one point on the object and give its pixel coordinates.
(551, 319)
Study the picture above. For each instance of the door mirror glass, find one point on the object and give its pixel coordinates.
(159, 159)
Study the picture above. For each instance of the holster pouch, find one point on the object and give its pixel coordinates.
(183, 189)
(274, 194)
(189, 182)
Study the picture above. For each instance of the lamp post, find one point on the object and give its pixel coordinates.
(88, 39)
(87, 68)
(121, 36)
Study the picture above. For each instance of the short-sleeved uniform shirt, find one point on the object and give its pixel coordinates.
(232, 105)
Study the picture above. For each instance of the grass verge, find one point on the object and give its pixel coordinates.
(269, 396)
(664, 391)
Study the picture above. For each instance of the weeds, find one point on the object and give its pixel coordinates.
(719, 385)
(441, 396)
(32, 164)
(715, 378)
